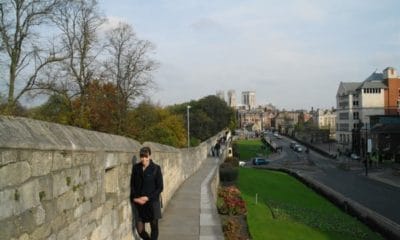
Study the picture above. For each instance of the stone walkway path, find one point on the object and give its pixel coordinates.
(191, 213)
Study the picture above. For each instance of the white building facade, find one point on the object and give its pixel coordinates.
(356, 101)
(325, 119)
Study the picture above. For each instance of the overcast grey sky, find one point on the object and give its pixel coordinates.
(293, 53)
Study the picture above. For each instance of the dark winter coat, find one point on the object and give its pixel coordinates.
(147, 183)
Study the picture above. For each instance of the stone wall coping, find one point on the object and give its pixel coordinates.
(25, 133)
(157, 147)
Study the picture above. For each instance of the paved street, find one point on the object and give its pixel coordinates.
(376, 195)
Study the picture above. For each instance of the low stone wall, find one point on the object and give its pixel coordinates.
(379, 223)
(62, 182)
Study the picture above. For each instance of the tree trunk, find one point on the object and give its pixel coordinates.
(11, 102)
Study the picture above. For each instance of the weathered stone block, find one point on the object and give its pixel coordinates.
(111, 180)
(14, 174)
(83, 232)
(99, 158)
(24, 237)
(84, 174)
(115, 219)
(41, 232)
(45, 188)
(52, 237)
(50, 210)
(61, 160)
(28, 196)
(86, 229)
(68, 231)
(7, 203)
(89, 190)
(41, 163)
(104, 229)
(40, 215)
(111, 160)
(8, 156)
(82, 209)
(67, 201)
(26, 221)
(25, 155)
(82, 158)
(58, 223)
(8, 229)
(61, 183)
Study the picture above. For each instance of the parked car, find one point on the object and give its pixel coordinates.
(354, 156)
(259, 161)
(297, 148)
(293, 144)
(242, 163)
(277, 135)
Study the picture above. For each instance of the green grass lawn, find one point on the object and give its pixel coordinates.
(287, 209)
(251, 148)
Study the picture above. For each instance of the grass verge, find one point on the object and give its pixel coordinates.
(251, 148)
(287, 209)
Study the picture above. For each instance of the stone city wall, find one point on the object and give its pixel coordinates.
(61, 182)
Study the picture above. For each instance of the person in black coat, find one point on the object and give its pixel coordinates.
(146, 187)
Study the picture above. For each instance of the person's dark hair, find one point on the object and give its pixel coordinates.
(146, 151)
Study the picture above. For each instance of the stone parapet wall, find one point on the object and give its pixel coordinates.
(61, 182)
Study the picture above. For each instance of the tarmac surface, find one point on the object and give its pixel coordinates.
(191, 213)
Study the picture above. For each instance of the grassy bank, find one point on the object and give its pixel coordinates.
(287, 209)
(251, 148)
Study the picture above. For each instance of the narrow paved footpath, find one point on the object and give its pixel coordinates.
(191, 214)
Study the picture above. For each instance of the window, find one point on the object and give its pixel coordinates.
(355, 103)
(344, 127)
(355, 115)
(344, 116)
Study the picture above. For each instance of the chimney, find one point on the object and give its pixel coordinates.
(389, 72)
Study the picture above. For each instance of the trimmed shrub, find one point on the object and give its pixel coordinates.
(227, 173)
(233, 161)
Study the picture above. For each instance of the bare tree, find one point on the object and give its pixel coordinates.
(24, 57)
(79, 21)
(128, 66)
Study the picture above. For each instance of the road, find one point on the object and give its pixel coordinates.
(375, 195)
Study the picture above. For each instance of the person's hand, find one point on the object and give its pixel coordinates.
(145, 199)
(141, 200)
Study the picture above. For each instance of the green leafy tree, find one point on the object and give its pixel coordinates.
(56, 109)
(148, 122)
(208, 116)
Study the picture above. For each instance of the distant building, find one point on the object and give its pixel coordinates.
(232, 99)
(249, 99)
(258, 119)
(379, 94)
(325, 119)
(221, 95)
(385, 136)
(286, 120)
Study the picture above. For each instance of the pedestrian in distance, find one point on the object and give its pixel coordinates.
(146, 187)
(216, 149)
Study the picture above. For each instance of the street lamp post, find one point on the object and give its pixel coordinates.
(188, 125)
